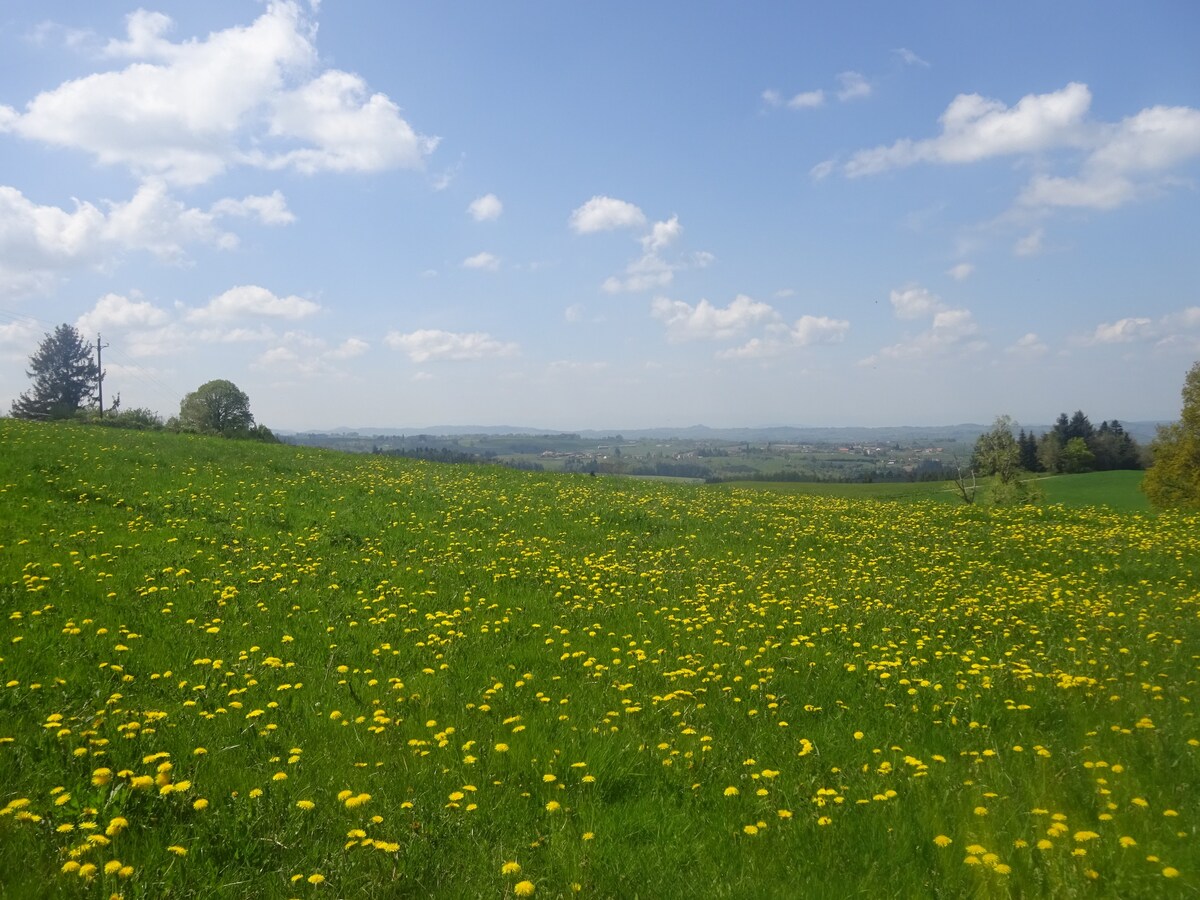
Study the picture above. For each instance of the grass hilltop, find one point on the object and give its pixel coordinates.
(231, 669)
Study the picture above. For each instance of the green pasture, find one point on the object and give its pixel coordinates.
(231, 669)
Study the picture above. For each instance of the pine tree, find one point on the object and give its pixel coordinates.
(64, 376)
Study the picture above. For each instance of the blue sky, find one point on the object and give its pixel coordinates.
(611, 215)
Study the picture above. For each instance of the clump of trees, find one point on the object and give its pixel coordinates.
(1074, 445)
(66, 385)
(1173, 481)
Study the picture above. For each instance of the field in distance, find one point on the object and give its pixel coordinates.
(1120, 490)
(231, 669)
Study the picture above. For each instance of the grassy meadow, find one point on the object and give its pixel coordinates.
(239, 670)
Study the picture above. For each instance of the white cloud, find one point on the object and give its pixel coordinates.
(643, 274)
(822, 170)
(485, 208)
(1149, 142)
(818, 330)
(349, 349)
(1124, 161)
(113, 311)
(961, 272)
(915, 302)
(952, 330)
(18, 335)
(605, 214)
(1031, 244)
(909, 58)
(574, 312)
(352, 130)
(662, 234)
(429, 344)
(1029, 345)
(806, 100)
(252, 300)
(271, 209)
(805, 331)
(976, 128)
(771, 97)
(303, 354)
(1123, 331)
(704, 321)
(486, 261)
(246, 95)
(854, 86)
(39, 243)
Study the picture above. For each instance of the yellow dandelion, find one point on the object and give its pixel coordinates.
(524, 888)
(942, 841)
(512, 867)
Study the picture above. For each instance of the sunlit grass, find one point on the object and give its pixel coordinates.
(261, 671)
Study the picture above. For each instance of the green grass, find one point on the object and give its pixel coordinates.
(629, 688)
(1118, 490)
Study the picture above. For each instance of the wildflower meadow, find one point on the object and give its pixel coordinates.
(240, 670)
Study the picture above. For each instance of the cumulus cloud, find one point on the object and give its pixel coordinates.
(909, 58)
(662, 234)
(1030, 244)
(914, 302)
(1122, 161)
(247, 95)
(961, 272)
(271, 209)
(431, 344)
(949, 328)
(39, 243)
(976, 128)
(1028, 345)
(301, 354)
(113, 311)
(1123, 331)
(704, 321)
(250, 300)
(854, 86)
(1183, 325)
(487, 261)
(802, 100)
(805, 331)
(605, 214)
(485, 208)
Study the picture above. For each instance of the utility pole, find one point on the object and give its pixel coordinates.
(99, 375)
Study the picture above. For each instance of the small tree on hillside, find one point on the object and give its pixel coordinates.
(64, 377)
(997, 453)
(217, 407)
(1174, 478)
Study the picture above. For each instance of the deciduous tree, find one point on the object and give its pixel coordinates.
(1173, 480)
(217, 407)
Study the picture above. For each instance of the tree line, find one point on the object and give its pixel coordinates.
(67, 383)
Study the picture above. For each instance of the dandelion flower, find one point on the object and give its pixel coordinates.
(524, 888)
(942, 841)
(511, 867)
(731, 791)
(316, 879)
(305, 804)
